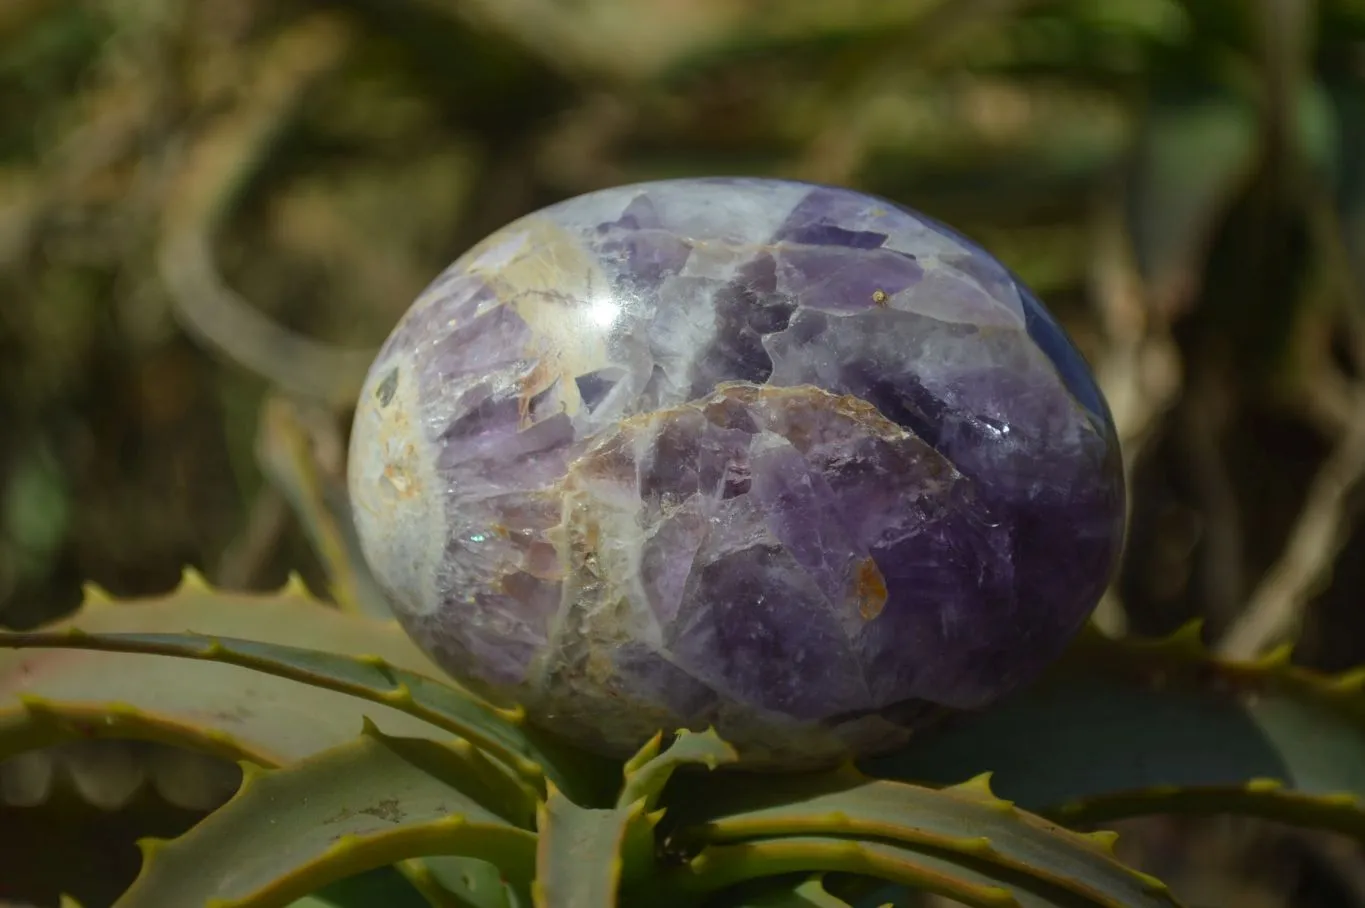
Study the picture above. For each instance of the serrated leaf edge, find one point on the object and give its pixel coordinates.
(351, 854)
(1185, 645)
(630, 821)
(50, 722)
(1342, 812)
(720, 866)
(213, 648)
(1158, 661)
(976, 789)
(646, 774)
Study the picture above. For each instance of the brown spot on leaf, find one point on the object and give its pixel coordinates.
(387, 810)
(234, 714)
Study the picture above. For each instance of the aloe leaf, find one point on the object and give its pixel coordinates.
(587, 856)
(648, 772)
(1121, 728)
(58, 700)
(722, 866)
(384, 886)
(584, 854)
(458, 882)
(366, 804)
(965, 820)
(800, 893)
(502, 733)
(52, 696)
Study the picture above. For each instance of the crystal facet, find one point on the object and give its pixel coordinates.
(782, 458)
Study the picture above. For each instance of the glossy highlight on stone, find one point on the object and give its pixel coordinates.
(783, 458)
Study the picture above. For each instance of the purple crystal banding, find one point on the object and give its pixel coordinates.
(782, 458)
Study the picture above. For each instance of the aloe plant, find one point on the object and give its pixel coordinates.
(358, 756)
(370, 776)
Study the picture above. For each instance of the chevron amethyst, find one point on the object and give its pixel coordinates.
(783, 458)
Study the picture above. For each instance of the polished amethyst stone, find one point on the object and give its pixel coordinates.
(782, 458)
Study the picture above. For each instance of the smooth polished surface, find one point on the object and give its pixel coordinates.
(784, 458)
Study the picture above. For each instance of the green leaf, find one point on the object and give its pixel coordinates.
(363, 805)
(384, 886)
(1126, 728)
(648, 772)
(947, 874)
(501, 733)
(457, 882)
(800, 893)
(964, 823)
(587, 856)
(51, 696)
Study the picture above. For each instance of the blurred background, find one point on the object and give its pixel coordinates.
(211, 210)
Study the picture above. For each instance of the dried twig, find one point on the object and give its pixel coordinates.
(1325, 521)
(1208, 410)
(1322, 528)
(1139, 370)
(1316, 389)
(241, 563)
(214, 172)
(300, 450)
